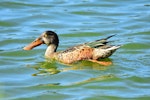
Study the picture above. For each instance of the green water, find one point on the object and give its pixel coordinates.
(25, 75)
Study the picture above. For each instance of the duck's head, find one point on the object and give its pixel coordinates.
(48, 38)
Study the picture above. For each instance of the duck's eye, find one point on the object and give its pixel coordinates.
(48, 33)
(45, 35)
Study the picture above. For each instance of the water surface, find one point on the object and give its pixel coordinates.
(26, 75)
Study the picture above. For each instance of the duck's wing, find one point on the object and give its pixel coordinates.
(76, 53)
(98, 43)
(93, 44)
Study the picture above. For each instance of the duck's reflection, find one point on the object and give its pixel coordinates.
(52, 67)
(45, 68)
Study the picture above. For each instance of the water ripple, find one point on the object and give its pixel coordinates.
(26, 74)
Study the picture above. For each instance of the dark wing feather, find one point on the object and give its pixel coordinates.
(98, 43)
(94, 44)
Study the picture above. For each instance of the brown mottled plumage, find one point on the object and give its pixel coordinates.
(91, 51)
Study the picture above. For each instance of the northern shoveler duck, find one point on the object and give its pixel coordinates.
(91, 51)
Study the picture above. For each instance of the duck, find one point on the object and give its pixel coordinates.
(91, 51)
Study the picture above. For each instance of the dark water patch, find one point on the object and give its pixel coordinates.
(7, 24)
(147, 5)
(18, 4)
(84, 13)
(136, 46)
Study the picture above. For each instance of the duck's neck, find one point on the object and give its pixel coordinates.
(51, 49)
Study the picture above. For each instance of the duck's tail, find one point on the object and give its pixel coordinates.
(104, 51)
